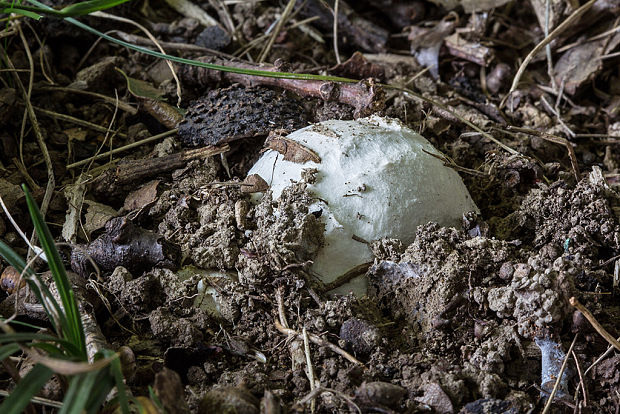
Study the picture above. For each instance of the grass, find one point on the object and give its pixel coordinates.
(88, 383)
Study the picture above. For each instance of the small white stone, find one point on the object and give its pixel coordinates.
(376, 180)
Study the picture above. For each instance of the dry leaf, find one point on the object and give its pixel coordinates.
(97, 215)
(142, 197)
(254, 183)
(292, 150)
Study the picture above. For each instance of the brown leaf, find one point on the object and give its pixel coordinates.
(254, 184)
(579, 65)
(143, 196)
(357, 66)
(292, 151)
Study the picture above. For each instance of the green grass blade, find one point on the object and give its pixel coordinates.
(8, 350)
(117, 371)
(24, 324)
(79, 392)
(105, 385)
(86, 7)
(18, 10)
(13, 258)
(27, 388)
(49, 343)
(222, 68)
(60, 348)
(77, 9)
(155, 398)
(73, 331)
(45, 297)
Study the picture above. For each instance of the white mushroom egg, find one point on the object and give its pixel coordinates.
(375, 178)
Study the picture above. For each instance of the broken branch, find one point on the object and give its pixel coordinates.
(366, 96)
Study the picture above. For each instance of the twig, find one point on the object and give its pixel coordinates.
(599, 328)
(281, 313)
(460, 118)
(555, 33)
(556, 112)
(310, 371)
(599, 359)
(276, 30)
(582, 383)
(347, 277)
(318, 390)
(252, 44)
(133, 171)
(226, 19)
(559, 378)
(365, 96)
(43, 61)
(24, 172)
(336, 4)
(449, 162)
(124, 106)
(124, 148)
(107, 134)
(143, 41)
(548, 47)
(556, 139)
(152, 39)
(38, 400)
(51, 181)
(590, 39)
(189, 9)
(317, 340)
(77, 121)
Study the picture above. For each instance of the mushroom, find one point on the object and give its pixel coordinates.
(373, 177)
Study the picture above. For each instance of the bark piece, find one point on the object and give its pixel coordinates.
(225, 115)
(111, 181)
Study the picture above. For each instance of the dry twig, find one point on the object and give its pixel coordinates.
(555, 33)
(276, 30)
(582, 384)
(310, 371)
(318, 390)
(556, 139)
(317, 340)
(559, 378)
(365, 96)
(123, 148)
(599, 328)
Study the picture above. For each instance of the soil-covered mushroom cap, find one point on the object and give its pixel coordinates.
(375, 179)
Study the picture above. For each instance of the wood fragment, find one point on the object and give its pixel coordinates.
(135, 171)
(595, 324)
(317, 340)
(365, 96)
(347, 277)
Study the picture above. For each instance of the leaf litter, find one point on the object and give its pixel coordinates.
(470, 319)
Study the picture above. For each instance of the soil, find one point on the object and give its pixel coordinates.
(209, 286)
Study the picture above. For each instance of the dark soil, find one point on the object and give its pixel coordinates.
(210, 287)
